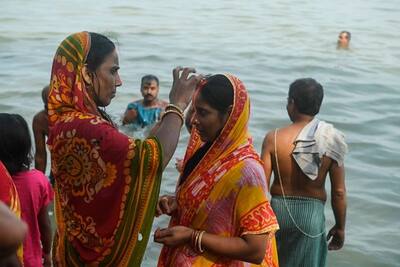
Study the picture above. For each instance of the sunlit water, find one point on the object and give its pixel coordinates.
(267, 44)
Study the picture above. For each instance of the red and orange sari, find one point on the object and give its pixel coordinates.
(106, 184)
(9, 195)
(226, 193)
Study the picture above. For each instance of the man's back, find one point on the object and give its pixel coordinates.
(294, 181)
(40, 126)
(301, 155)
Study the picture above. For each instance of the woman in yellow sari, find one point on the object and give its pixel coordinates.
(220, 215)
(106, 184)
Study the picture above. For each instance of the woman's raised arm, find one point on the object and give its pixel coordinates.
(168, 130)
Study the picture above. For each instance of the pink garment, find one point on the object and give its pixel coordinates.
(35, 192)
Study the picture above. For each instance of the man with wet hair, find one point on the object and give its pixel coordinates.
(148, 110)
(301, 155)
(344, 40)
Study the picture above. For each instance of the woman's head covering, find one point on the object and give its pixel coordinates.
(68, 92)
(231, 146)
(106, 184)
(226, 193)
(235, 131)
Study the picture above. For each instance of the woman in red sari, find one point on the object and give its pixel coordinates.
(220, 215)
(12, 230)
(106, 184)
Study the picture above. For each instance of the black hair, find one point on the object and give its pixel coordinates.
(148, 78)
(100, 48)
(307, 95)
(218, 92)
(15, 143)
(348, 34)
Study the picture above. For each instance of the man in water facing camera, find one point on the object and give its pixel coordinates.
(145, 111)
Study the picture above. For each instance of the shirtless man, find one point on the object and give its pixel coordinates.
(302, 154)
(148, 110)
(40, 126)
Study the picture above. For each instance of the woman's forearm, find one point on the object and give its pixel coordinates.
(249, 248)
(169, 128)
(167, 134)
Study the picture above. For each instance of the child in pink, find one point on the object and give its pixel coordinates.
(33, 187)
(35, 195)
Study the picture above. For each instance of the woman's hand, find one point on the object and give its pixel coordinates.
(174, 236)
(166, 205)
(183, 86)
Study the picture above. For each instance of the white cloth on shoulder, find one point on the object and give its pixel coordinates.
(318, 139)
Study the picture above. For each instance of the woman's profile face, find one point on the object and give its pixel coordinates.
(106, 79)
(207, 120)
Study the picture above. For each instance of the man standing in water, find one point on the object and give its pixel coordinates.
(301, 155)
(146, 111)
(40, 126)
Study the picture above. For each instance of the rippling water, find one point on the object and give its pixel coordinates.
(267, 44)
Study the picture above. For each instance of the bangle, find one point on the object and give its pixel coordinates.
(174, 112)
(174, 107)
(196, 240)
(199, 248)
(192, 237)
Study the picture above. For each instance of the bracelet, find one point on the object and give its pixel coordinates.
(199, 248)
(195, 241)
(174, 112)
(193, 238)
(173, 107)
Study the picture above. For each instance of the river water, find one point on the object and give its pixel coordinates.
(267, 44)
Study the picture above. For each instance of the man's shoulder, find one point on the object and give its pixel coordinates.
(40, 115)
(40, 119)
(134, 104)
(137, 102)
(269, 136)
(332, 141)
(326, 132)
(279, 131)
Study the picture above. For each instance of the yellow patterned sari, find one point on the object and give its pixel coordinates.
(226, 193)
(106, 184)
